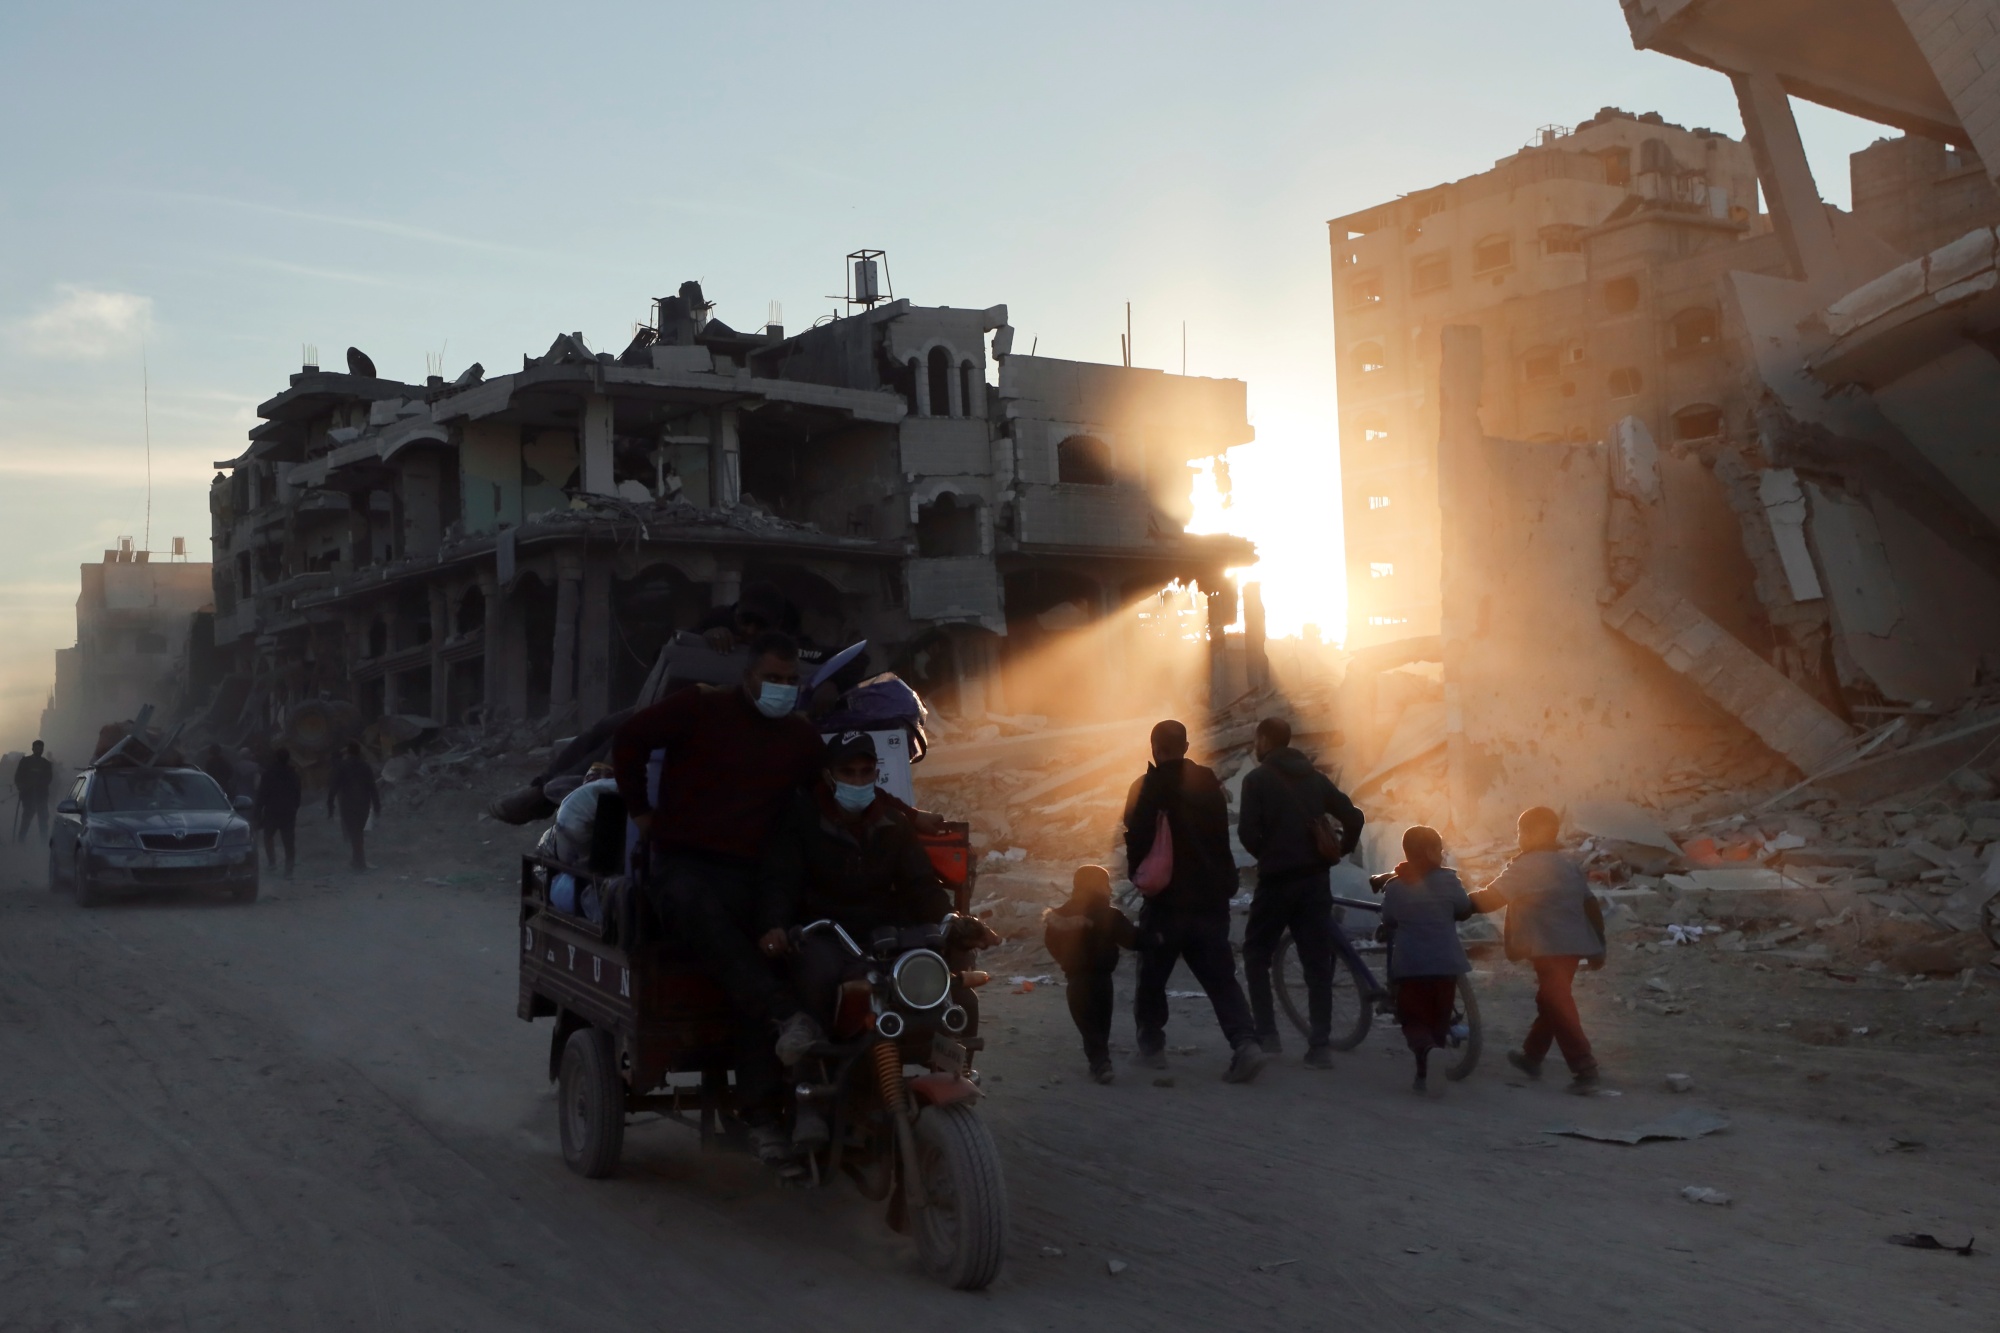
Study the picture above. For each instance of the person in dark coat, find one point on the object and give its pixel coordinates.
(352, 788)
(278, 799)
(1282, 798)
(1422, 904)
(1188, 919)
(33, 776)
(845, 852)
(1084, 936)
(1555, 923)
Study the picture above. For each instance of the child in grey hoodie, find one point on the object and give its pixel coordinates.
(1422, 904)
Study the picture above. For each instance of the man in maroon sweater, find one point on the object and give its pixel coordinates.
(733, 760)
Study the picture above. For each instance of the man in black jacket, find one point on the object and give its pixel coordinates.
(32, 779)
(352, 788)
(1189, 918)
(277, 810)
(1282, 799)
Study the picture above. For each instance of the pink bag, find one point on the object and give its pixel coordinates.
(1157, 870)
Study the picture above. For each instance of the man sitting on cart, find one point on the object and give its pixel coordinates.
(733, 761)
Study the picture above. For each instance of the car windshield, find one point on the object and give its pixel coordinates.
(155, 789)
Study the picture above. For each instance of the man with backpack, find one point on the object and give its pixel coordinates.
(1177, 845)
(1297, 823)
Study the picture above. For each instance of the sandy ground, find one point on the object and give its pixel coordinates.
(319, 1112)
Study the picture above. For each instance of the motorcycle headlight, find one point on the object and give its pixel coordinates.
(922, 979)
(234, 835)
(104, 835)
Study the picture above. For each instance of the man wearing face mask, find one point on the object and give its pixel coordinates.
(734, 759)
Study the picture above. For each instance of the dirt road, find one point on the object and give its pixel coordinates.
(319, 1112)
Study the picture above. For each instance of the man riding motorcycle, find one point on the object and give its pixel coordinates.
(847, 853)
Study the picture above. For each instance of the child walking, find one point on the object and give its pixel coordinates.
(1556, 924)
(1084, 936)
(1422, 904)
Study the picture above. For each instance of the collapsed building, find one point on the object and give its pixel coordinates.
(1726, 502)
(518, 548)
(144, 635)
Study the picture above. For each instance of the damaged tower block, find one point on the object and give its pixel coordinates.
(1701, 473)
(520, 548)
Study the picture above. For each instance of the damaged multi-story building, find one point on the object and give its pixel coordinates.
(1747, 486)
(143, 636)
(520, 546)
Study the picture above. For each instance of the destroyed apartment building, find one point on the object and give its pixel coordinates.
(1720, 508)
(518, 548)
(144, 635)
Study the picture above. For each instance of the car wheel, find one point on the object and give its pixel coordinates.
(87, 893)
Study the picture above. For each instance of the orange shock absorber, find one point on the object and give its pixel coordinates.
(889, 1070)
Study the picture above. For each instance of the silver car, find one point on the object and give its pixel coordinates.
(131, 829)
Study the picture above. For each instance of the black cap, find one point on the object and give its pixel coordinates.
(849, 745)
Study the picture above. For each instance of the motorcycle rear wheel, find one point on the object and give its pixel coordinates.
(961, 1233)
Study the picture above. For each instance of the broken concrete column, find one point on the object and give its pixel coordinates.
(1789, 591)
(1465, 508)
(493, 683)
(1782, 715)
(726, 465)
(1803, 224)
(1635, 490)
(439, 703)
(593, 689)
(597, 451)
(1255, 659)
(562, 669)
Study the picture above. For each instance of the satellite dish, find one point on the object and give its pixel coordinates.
(359, 365)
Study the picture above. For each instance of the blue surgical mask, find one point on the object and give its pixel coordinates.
(775, 700)
(854, 798)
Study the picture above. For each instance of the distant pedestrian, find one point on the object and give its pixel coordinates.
(278, 798)
(1422, 904)
(1084, 936)
(244, 772)
(1556, 924)
(352, 787)
(1284, 824)
(1187, 917)
(33, 777)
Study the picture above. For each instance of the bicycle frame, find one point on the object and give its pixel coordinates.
(1344, 946)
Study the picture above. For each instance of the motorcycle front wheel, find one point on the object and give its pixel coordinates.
(961, 1232)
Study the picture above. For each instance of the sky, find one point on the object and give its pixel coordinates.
(194, 192)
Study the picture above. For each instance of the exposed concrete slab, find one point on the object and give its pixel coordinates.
(1782, 715)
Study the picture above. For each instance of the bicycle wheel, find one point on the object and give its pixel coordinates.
(1352, 1011)
(1465, 1019)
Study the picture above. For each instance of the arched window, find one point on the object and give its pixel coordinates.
(1625, 382)
(1083, 460)
(1693, 329)
(471, 611)
(940, 382)
(1698, 421)
(1541, 363)
(1495, 252)
(1367, 358)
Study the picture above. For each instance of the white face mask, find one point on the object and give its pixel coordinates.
(854, 798)
(775, 700)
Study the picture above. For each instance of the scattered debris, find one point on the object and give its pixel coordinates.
(1896, 1143)
(1689, 1124)
(1702, 1194)
(1052, 1252)
(1115, 1266)
(1924, 1240)
(1680, 1083)
(1274, 1265)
